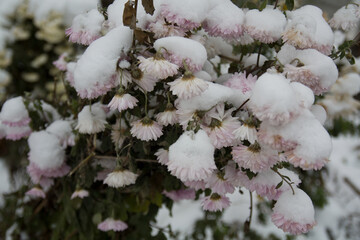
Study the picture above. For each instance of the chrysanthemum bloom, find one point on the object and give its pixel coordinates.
(225, 20)
(215, 203)
(188, 86)
(254, 157)
(118, 133)
(168, 117)
(345, 18)
(191, 157)
(122, 101)
(162, 156)
(111, 224)
(219, 184)
(86, 27)
(120, 178)
(265, 183)
(222, 126)
(61, 63)
(274, 139)
(157, 67)
(91, 119)
(146, 129)
(181, 194)
(294, 213)
(265, 26)
(37, 174)
(145, 81)
(16, 133)
(36, 192)
(80, 193)
(14, 113)
(247, 131)
(235, 176)
(242, 82)
(197, 185)
(161, 29)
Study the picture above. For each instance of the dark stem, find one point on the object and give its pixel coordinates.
(284, 179)
(276, 3)
(258, 57)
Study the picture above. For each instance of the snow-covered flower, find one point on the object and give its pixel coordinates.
(265, 26)
(16, 133)
(146, 129)
(122, 102)
(219, 184)
(191, 157)
(157, 67)
(80, 193)
(111, 224)
(161, 29)
(294, 213)
(168, 117)
(247, 131)
(41, 176)
(61, 63)
(254, 157)
(242, 82)
(215, 203)
(188, 86)
(14, 113)
(86, 27)
(182, 194)
(345, 18)
(162, 156)
(91, 119)
(120, 178)
(36, 192)
(63, 130)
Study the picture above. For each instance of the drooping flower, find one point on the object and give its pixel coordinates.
(91, 119)
(36, 192)
(146, 129)
(188, 86)
(191, 157)
(14, 113)
(61, 63)
(157, 67)
(162, 156)
(294, 213)
(181, 194)
(16, 133)
(345, 18)
(39, 176)
(168, 117)
(111, 224)
(118, 133)
(144, 80)
(219, 184)
(215, 203)
(122, 102)
(120, 178)
(247, 131)
(80, 193)
(254, 157)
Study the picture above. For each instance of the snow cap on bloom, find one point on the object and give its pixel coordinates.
(347, 84)
(122, 102)
(16, 133)
(219, 184)
(41, 176)
(80, 193)
(309, 67)
(120, 178)
(265, 183)
(247, 131)
(61, 63)
(273, 99)
(162, 156)
(111, 224)
(242, 82)
(36, 192)
(161, 29)
(91, 119)
(215, 203)
(14, 113)
(168, 117)
(95, 72)
(157, 67)
(45, 150)
(144, 80)
(222, 126)
(255, 157)
(179, 50)
(319, 112)
(307, 28)
(182, 194)
(225, 20)
(346, 18)
(188, 86)
(294, 213)
(86, 27)
(63, 130)
(146, 129)
(265, 26)
(191, 157)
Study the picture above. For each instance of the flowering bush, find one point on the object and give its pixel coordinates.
(176, 100)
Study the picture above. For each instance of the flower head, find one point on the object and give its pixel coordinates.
(157, 67)
(162, 156)
(122, 102)
(219, 184)
(168, 117)
(144, 80)
(120, 178)
(146, 129)
(215, 203)
(80, 193)
(111, 224)
(36, 192)
(188, 86)
(91, 119)
(247, 131)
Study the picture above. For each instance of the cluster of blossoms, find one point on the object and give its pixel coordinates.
(232, 125)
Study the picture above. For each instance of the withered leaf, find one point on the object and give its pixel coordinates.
(149, 6)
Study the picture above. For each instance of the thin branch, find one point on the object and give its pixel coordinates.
(82, 163)
(352, 185)
(124, 158)
(284, 179)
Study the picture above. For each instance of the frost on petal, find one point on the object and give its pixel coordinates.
(191, 157)
(294, 213)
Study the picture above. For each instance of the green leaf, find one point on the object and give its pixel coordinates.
(289, 4)
(279, 185)
(263, 5)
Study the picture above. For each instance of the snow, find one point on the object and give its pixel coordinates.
(347, 84)
(14, 110)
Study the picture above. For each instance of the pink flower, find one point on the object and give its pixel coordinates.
(99, 88)
(37, 174)
(36, 193)
(219, 184)
(111, 224)
(145, 81)
(254, 157)
(215, 203)
(157, 67)
(176, 18)
(122, 102)
(16, 133)
(305, 163)
(146, 129)
(188, 86)
(15, 114)
(197, 185)
(168, 117)
(69, 75)
(294, 213)
(241, 82)
(161, 29)
(181, 194)
(275, 141)
(247, 131)
(120, 178)
(80, 193)
(162, 156)
(61, 63)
